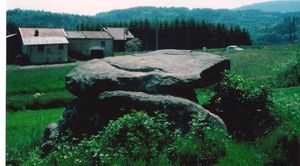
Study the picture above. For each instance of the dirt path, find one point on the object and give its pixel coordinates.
(49, 65)
(10, 68)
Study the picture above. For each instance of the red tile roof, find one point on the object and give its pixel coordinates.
(43, 32)
(38, 36)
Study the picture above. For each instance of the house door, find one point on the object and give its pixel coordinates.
(97, 54)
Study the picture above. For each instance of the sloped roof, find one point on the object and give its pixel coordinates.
(119, 33)
(44, 40)
(43, 36)
(88, 35)
(75, 35)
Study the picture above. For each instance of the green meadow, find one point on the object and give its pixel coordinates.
(36, 97)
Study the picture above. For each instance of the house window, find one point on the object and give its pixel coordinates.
(41, 48)
(60, 46)
(102, 43)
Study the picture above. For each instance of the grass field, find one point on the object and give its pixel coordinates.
(36, 88)
(36, 80)
(263, 63)
(40, 88)
(24, 131)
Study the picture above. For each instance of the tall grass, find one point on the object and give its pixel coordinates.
(261, 64)
(24, 131)
(36, 88)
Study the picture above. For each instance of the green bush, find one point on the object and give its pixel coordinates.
(136, 136)
(289, 74)
(243, 106)
(133, 45)
(136, 139)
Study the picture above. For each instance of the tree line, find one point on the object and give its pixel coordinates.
(179, 33)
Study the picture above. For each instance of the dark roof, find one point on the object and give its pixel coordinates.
(37, 36)
(119, 33)
(88, 35)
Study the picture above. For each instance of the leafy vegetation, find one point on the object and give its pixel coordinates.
(243, 106)
(140, 139)
(133, 45)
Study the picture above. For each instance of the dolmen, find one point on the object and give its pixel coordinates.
(162, 81)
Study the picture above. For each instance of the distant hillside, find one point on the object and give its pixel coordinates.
(274, 6)
(258, 23)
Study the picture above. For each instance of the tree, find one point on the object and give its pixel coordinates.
(133, 45)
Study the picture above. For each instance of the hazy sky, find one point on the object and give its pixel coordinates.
(91, 7)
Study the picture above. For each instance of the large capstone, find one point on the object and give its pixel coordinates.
(89, 115)
(172, 72)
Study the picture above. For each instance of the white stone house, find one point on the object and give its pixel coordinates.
(90, 44)
(44, 45)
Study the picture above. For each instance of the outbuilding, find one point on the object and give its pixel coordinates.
(90, 44)
(44, 45)
(120, 35)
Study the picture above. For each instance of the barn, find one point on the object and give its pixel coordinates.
(90, 44)
(120, 35)
(44, 45)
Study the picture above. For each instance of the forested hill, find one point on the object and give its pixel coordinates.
(274, 6)
(259, 24)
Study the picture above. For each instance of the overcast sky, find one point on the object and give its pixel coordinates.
(91, 7)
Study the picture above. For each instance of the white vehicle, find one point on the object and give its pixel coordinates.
(233, 48)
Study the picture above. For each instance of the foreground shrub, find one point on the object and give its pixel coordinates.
(132, 137)
(243, 106)
(136, 136)
(136, 139)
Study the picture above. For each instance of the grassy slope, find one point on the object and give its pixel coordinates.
(261, 64)
(24, 130)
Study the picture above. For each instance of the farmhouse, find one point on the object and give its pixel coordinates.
(90, 44)
(120, 35)
(44, 45)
